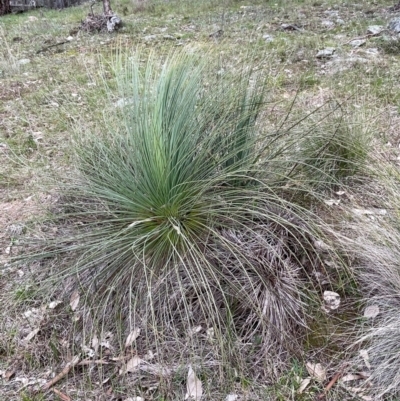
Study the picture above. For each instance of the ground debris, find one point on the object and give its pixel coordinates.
(101, 23)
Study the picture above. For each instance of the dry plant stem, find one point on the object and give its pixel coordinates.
(62, 374)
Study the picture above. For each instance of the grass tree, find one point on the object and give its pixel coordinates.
(185, 218)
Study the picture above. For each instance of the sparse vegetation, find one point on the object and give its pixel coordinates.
(197, 201)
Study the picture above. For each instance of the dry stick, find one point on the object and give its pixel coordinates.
(334, 379)
(48, 47)
(62, 374)
(368, 35)
(91, 362)
(63, 396)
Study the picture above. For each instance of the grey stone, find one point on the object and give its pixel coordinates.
(24, 61)
(373, 51)
(290, 27)
(113, 23)
(394, 25)
(340, 21)
(358, 42)
(331, 13)
(149, 38)
(124, 102)
(375, 29)
(341, 64)
(328, 24)
(328, 52)
(268, 38)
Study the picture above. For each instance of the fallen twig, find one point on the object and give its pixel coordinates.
(331, 383)
(96, 362)
(62, 374)
(368, 35)
(63, 396)
(43, 49)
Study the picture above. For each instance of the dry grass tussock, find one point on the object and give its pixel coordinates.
(376, 246)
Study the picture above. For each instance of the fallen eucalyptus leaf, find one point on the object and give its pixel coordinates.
(54, 304)
(30, 336)
(332, 202)
(210, 333)
(193, 385)
(89, 352)
(133, 335)
(133, 364)
(349, 377)
(321, 245)
(316, 370)
(196, 329)
(366, 212)
(74, 301)
(303, 385)
(364, 355)
(371, 311)
(95, 343)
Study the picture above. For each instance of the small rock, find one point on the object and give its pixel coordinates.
(32, 18)
(340, 21)
(357, 42)
(15, 230)
(24, 61)
(394, 25)
(326, 53)
(290, 27)
(216, 34)
(70, 38)
(169, 37)
(123, 102)
(331, 301)
(149, 38)
(331, 13)
(328, 24)
(340, 64)
(114, 23)
(373, 51)
(375, 29)
(268, 38)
